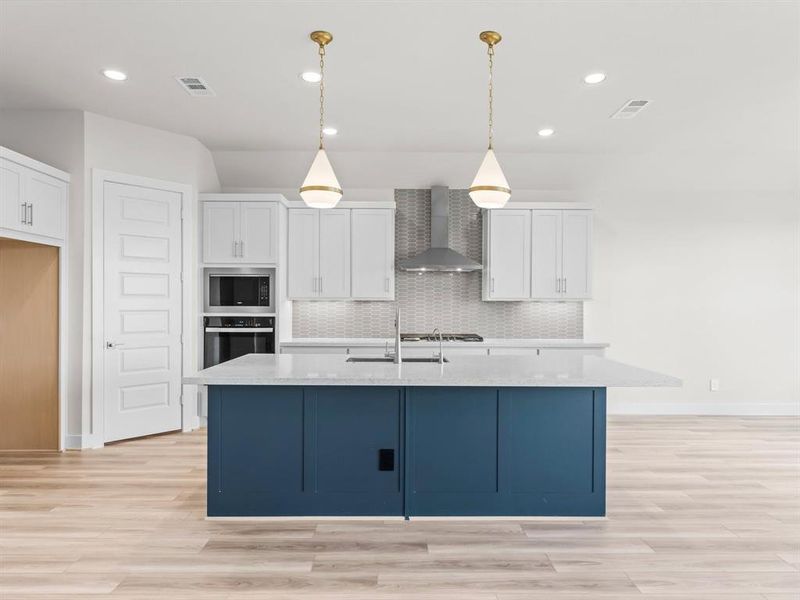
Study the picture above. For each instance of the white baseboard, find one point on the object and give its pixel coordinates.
(721, 408)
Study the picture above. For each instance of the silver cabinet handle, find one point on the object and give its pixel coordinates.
(30, 218)
(320, 285)
(241, 248)
(558, 285)
(492, 285)
(234, 248)
(24, 213)
(314, 284)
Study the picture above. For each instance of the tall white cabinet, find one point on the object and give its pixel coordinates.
(32, 201)
(341, 254)
(537, 254)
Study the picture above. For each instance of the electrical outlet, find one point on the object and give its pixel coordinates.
(713, 385)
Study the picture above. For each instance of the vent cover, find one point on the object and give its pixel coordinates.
(630, 109)
(195, 86)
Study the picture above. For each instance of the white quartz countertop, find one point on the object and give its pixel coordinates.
(482, 371)
(486, 343)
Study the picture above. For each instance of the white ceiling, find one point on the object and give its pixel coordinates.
(411, 76)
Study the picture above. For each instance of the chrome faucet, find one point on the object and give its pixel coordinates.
(397, 354)
(441, 354)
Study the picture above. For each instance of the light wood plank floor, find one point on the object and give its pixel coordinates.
(698, 507)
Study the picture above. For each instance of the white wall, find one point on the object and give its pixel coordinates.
(701, 285)
(78, 142)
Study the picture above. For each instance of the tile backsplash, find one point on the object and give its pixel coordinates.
(450, 301)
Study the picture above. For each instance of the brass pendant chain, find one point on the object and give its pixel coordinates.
(491, 94)
(321, 92)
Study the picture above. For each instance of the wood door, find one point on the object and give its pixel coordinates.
(509, 255)
(47, 199)
(258, 240)
(221, 232)
(28, 346)
(577, 254)
(334, 253)
(142, 310)
(372, 259)
(546, 250)
(303, 253)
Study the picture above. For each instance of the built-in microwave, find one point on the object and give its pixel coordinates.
(239, 290)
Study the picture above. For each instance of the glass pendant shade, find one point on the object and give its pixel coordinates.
(490, 188)
(321, 188)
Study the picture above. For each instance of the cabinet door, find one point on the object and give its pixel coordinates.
(334, 253)
(258, 241)
(47, 199)
(546, 254)
(509, 251)
(12, 205)
(303, 253)
(221, 232)
(577, 254)
(372, 256)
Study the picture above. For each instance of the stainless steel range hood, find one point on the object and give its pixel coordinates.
(439, 257)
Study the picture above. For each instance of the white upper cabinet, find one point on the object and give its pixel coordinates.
(258, 236)
(303, 267)
(546, 257)
(508, 243)
(220, 232)
(32, 201)
(372, 254)
(334, 253)
(341, 254)
(240, 232)
(576, 254)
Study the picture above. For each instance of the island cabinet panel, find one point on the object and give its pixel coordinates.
(505, 451)
(294, 451)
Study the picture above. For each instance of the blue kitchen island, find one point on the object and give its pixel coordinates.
(313, 435)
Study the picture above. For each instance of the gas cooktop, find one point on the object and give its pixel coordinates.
(447, 337)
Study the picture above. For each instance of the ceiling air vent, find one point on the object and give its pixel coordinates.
(195, 86)
(630, 109)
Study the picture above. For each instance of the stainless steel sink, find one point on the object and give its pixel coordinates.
(385, 359)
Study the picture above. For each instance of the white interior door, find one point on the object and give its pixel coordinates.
(142, 310)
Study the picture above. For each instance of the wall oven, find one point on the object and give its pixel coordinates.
(239, 290)
(227, 338)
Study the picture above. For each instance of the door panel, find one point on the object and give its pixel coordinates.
(12, 210)
(546, 250)
(510, 254)
(352, 427)
(48, 198)
(142, 304)
(303, 253)
(577, 253)
(334, 253)
(220, 232)
(372, 257)
(259, 232)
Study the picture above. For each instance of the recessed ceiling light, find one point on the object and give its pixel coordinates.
(311, 76)
(330, 131)
(546, 132)
(115, 75)
(593, 78)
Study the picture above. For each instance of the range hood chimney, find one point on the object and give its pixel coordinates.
(440, 257)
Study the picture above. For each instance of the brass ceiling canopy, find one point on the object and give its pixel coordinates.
(491, 37)
(323, 38)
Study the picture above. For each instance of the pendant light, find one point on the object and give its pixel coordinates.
(320, 188)
(490, 188)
